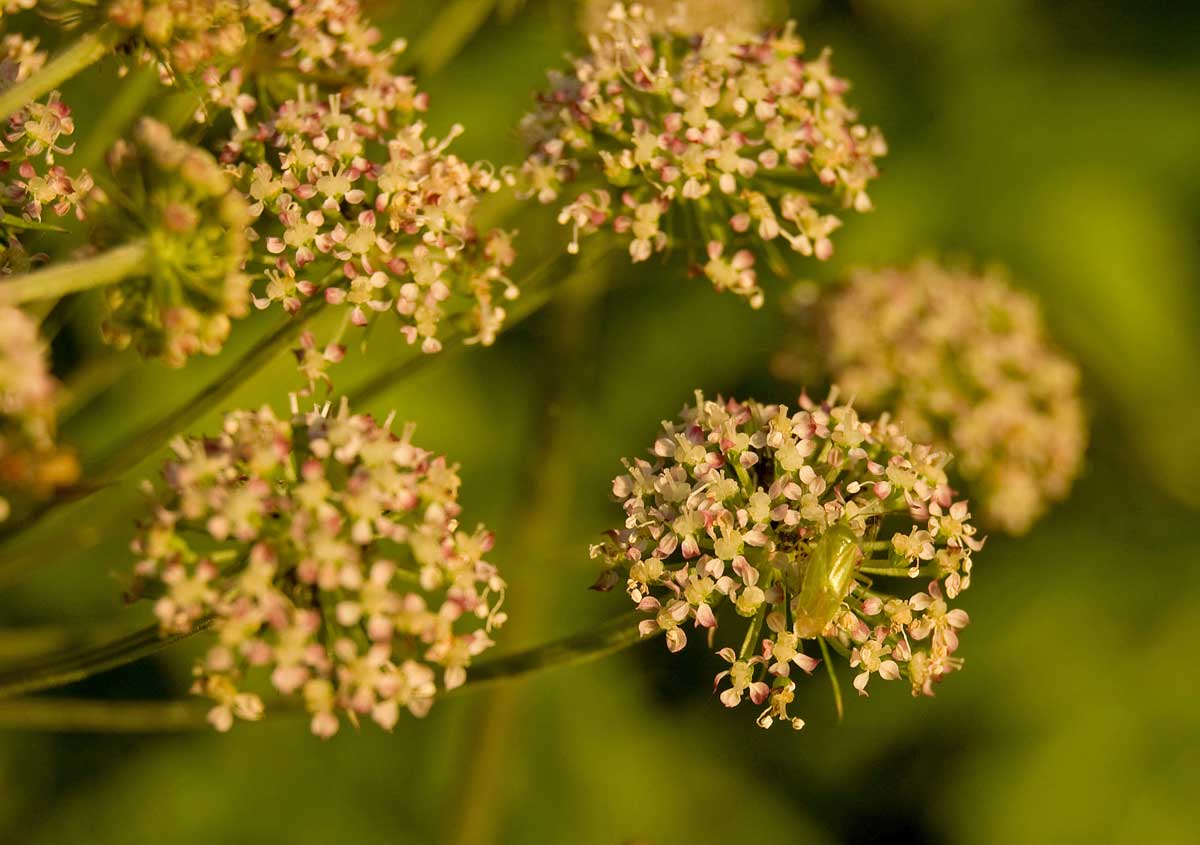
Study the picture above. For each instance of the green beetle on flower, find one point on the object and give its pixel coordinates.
(792, 518)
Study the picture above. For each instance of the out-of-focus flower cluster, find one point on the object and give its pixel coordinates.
(356, 204)
(247, 56)
(690, 17)
(729, 140)
(179, 200)
(791, 518)
(30, 460)
(32, 182)
(328, 553)
(964, 361)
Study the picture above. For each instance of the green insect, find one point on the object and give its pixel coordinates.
(827, 580)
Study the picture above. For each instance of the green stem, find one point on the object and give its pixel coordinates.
(60, 715)
(896, 571)
(833, 681)
(83, 663)
(609, 637)
(750, 642)
(74, 276)
(616, 634)
(78, 57)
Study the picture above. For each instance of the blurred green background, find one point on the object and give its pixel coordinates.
(1062, 139)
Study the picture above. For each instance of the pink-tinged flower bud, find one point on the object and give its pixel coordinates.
(305, 594)
(808, 559)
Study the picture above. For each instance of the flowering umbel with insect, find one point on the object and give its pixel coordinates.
(806, 523)
(277, 155)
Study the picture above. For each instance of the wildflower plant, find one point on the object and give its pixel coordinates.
(964, 361)
(734, 141)
(794, 520)
(327, 554)
(289, 166)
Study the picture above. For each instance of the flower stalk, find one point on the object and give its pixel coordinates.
(58, 280)
(65, 714)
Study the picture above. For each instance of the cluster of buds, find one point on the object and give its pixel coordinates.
(194, 225)
(729, 140)
(30, 460)
(354, 203)
(964, 361)
(32, 182)
(326, 551)
(685, 18)
(793, 519)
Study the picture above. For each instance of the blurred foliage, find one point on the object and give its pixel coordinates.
(1056, 138)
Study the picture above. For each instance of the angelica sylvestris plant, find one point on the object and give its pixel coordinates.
(30, 459)
(328, 554)
(290, 167)
(964, 361)
(817, 528)
(737, 142)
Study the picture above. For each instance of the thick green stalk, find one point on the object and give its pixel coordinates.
(73, 276)
(64, 714)
(78, 57)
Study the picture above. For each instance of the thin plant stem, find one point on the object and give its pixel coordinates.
(614, 635)
(897, 571)
(76, 665)
(73, 276)
(833, 680)
(81, 55)
(64, 715)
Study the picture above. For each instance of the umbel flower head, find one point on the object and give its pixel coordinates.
(327, 553)
(806, 523)
(30, 460)
(32, 181)
(733, 141)
(964, 361)
(178, 199)
(353, 202)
